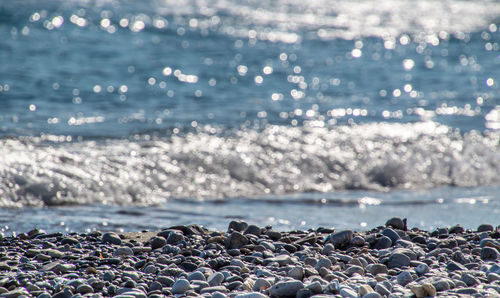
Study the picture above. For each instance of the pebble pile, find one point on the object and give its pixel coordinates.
(248, 261)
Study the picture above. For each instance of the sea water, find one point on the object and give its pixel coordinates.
(121, 114)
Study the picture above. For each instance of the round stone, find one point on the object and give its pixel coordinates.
(180, 286)
(236, 240)
(123, 251)
(404, 278)
(84, 289)
(261, 284)
(396, 223)
(158, 242)
(383, 243)
(237, 225)
(341, 239)
(489, 254)
(174, 238)
(286, 288)
(398, 260)
(112, 238)
(253, 229)
(485, 228)
(391, 234)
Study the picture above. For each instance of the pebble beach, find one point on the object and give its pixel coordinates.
(391, 260)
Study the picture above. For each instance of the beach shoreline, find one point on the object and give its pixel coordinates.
(391, 260)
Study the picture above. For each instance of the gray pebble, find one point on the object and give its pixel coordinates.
(180, 286)
(215, 279)
(398, 260)
(489, 254)
(174, 238)
(123, 251)
(286, 288)
(261, 284)
(341, 239)
(404, 278)
(112, 238)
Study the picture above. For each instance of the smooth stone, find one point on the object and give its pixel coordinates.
(396, 223)
(485, 228)
(237, 225)
(383, 243)
(375, 269)
(365, 289)
(215, 279)
(469, 280)
(315, 287)
(175, 238)
(341, 239)
(16, 293)
(84, 289)
(323, 262)
(347, 292)
(123, 251)
(251, 295)
(253, 229)
(382, 290)
(489, 254)
(181, 286)
(196, 275)
(286, 288)
(70, 241)
(296, 272)
(158, 242)
(351, 270)
(358, 241)
(466, 291)
(282, 260)
(236, 240)
(372, 295)
(112, 238)
(327, 249)
(454, 266)
(418, 290)
(404, 278)
(422, 269)
(429, 289)
(456, 229)
(391, 234)
(218, 295)
(108, 276)
(398, 260)
(441, 285)
(261, 284)
(274, 235)
(213, 289)
(492, 277)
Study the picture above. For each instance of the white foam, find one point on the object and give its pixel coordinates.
(277, 160)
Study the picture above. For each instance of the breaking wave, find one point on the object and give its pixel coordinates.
(246, 163)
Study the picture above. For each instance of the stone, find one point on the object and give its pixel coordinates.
(485, 228)
(383, 243)
(372, 295)
(296, 272)
(469, 280)
(261, 284)
(398, 260)
(70, 241)
(429, 289)
(351, 270)
(422, 269)
(341, 239)
(396, 223)
(358, 241)
(382, 290)
(365, 289)
(123, 251)
(418, 290)
(404, 278)
(253, 229)
(251, 295)
(286, 288)
(158, 242)
(218, 295)
(454, 266)
(237, 225)
(208, 290)
(375, 269)
(347, 292)
(175, 238)
(323, 262)
(391, 234)
(236, 240)
(456, 229)
(196, 275)
(215, 279)
(180, 286)
(489, 254)
(84, 289)
(112, 238)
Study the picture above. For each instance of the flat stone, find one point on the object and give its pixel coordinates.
(347, 292)
(84, 289)
(372, 295)
(123, 251)
(215, 279)
(296, 272)
(261, 284)
(213, 289)
(323, 262)
(398, 260)
(485, 228)
(365, 289)
(286, 288)
(341, 239)
(454, 266)
(282, 260)
(251, 295)
(196, 275)
(253, 229)
(375, 269)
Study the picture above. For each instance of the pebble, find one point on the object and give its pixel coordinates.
(286, 288)
(253, 261)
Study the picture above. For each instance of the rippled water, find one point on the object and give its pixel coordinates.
(175, 105)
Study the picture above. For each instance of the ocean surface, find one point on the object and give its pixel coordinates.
(130, 115)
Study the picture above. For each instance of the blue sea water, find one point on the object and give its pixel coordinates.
(121, 114)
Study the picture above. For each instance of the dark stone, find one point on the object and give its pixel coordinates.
(111, 238)
(419, 239)
(174, 238)
(391, 234)
(274, 235)
(236, 240)
(188, 266)
(454, 266)
(485, 228)
(237, 225)
(70, 241)
(396, 223)
(158, 242)
(341, 239)
(489, 254)
(383, 242)
(456, 229)
(253, 229)
(398, 260)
